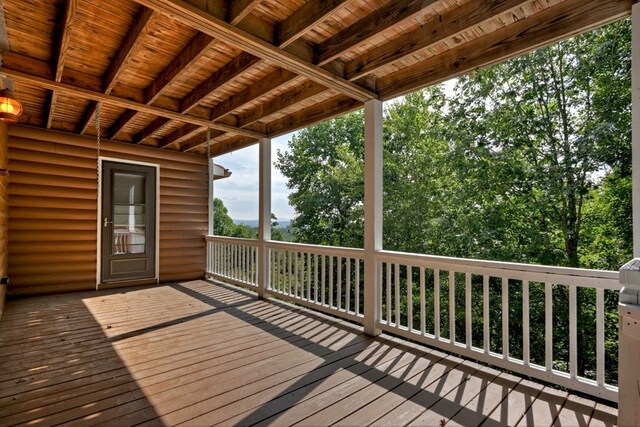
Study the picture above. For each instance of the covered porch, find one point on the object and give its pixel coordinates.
(170, 84)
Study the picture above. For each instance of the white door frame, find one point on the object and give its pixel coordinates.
(101, 160)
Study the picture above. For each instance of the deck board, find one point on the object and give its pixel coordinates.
(199, 353)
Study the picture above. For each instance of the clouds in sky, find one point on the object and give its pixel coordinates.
(240, 191)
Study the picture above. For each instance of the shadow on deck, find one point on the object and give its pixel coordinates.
(198, 353)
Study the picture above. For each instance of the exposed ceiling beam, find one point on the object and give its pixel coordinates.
(238, 9)
(201, 20)
(287, 99)
(305, 18)
(113, 101)
(68, 18)
(120, 124)
(198, 140)
(131, 41)
(555, 23)
(250, 93)
(180, 134)
(150, 129)
(192, 52)
(87, 117)
(231, 144)
(231, 70)
(321, 111)
(438, 29)
(374, 23)
(65, 36)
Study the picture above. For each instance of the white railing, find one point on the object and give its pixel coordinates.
(325, 278)
(233, 259)
(439, 301)
(504, 314)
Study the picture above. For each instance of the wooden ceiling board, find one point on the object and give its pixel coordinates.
(274, 11)
(130, 53)
(30, 26)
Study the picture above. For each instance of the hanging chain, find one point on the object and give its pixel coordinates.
(98, 136)
(208, 144)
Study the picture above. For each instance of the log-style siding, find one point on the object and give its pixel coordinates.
(4, 181)
(53, 207)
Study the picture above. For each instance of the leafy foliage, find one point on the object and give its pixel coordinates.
(527, 161)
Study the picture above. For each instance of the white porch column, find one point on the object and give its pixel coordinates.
(211, 180)
(629, 306)
(264, 218)
(211, 212)
(372, 211)
(635, 125)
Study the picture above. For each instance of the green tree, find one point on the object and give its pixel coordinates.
(324, 167)
(222, 223)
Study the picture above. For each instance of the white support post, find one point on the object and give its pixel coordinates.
(264, 218)
(635, 126)
(210, 206)
(211, 212)
(629, 306)
(372, 212)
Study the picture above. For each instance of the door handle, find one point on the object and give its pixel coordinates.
(107, 222)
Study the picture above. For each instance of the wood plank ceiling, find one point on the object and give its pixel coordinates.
(165, 70)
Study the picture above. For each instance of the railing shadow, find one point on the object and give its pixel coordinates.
(58, 364)
(443, 394)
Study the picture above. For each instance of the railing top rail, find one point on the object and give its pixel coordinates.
(316, 249)
(225, 239)
(597, 278)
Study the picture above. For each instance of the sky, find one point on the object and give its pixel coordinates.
(239, 192)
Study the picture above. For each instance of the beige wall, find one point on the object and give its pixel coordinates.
(53, 208)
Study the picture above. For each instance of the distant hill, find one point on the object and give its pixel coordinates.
(282, 223)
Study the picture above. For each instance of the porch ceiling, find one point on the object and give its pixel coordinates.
(164, 70)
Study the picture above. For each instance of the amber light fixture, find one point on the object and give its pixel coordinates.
(10, 108)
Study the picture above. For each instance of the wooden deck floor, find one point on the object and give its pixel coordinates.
(198, 354)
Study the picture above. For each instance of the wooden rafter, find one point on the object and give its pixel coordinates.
(198, 140)
(238, 9)
(262, 87)
(192, 52)
(180, 134)
(321, 111)
(449, 24)
(230, 145)
(287, 99)
(121, 103)
(150, 129)
(127, 47)
(373, 24)
(233, 69)
(201, 20)
(305, 18)
(553, 24)
(69, 15)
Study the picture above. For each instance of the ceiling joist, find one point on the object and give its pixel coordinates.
(127, 47)
(68, 19)
(122, 103)
(435, 31)
(201, 20)
(556, 22)
(374, 23)
(192, 52)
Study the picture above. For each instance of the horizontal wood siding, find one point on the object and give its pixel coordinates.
(4, 185)
(53, 207)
